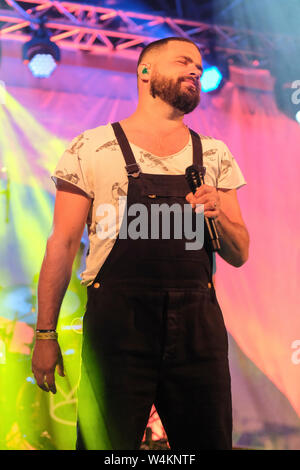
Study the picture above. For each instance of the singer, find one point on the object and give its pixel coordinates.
(153, 331)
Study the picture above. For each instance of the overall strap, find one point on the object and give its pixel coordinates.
(131, 167)
(197, 149)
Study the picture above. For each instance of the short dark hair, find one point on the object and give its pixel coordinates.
(161, 43)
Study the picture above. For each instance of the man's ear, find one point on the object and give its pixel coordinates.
(144, 71)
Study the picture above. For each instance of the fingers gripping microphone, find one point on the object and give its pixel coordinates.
(195, 178)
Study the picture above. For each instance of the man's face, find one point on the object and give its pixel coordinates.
(176, 74)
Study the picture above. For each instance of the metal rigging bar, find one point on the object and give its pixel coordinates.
(96, 28)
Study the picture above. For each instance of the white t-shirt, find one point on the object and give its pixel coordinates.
(94, 163)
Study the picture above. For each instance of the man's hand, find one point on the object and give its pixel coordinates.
(223, 206)
(46, 357)
(209, 197)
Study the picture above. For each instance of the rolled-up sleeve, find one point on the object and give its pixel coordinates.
(230, 175)
(73, 165)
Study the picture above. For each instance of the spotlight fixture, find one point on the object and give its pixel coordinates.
(215, 72)
(41, 54)
(211, 78)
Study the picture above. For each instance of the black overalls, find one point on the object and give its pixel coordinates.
(153, 332)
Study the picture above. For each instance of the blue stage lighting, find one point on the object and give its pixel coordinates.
(210, 79)
(297, 116)
(41, 54)
(42, 65)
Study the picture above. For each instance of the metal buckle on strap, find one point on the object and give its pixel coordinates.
(135, 171)
(200, 169)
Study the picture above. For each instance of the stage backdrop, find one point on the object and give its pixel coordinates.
(260, 301)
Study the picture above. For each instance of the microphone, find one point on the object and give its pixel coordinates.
(195, 178)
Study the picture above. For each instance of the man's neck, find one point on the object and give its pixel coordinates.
(156, 115)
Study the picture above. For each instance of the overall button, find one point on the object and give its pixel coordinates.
(96, 285)
(209, 285)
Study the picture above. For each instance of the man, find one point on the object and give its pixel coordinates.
(153, 331)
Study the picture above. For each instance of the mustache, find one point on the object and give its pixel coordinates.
(194, 81)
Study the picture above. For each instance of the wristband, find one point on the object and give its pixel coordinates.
(52, 334)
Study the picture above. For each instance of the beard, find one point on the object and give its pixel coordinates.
(172, 92)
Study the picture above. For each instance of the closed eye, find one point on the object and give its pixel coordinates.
(186, 60)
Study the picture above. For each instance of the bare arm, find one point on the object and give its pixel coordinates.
(234, 236)
(70, 214)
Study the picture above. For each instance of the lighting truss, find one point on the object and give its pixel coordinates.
(98, 30)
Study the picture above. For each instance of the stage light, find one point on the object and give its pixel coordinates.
(30, 380)
(42, 65)
(297, 116)
(41, 54)
(215, 72)
(211, 79)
